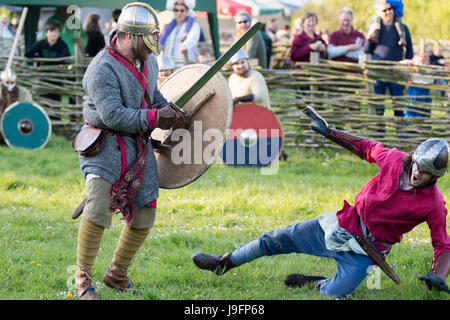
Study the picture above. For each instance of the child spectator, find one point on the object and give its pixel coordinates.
(50, 47)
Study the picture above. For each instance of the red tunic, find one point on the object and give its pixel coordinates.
(389, 212)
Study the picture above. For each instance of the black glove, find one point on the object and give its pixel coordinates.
(321, 126)
(433, 280)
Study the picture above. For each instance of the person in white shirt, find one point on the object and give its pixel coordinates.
(247, 85)
(181, 36)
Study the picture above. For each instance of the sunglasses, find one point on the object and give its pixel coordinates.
(179, 10)
(387, 9)
(243, 22)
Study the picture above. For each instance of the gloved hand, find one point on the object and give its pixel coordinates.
(321, 126)
(433, 280)
(169, 117)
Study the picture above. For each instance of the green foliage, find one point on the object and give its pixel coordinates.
(427, 19)
(224, 208)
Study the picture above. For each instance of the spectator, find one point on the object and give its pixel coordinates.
(255, 47)
(436, 58)
(346, 44)
(181, 36)
(51, 47)
(247, 85)
(388, 48)
(307, 40)
(397, 6)
(166, 67)
(272, 29)
(268, 44)
(71, 33)
(206, 55)
(96, 40)
(284, 35)
(418, 93)
(10, 92)
(6, 34)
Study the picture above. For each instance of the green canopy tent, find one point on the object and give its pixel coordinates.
(35, 8)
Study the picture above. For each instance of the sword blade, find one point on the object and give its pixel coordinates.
(180, 103)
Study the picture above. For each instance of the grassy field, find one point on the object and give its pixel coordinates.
(223, 209)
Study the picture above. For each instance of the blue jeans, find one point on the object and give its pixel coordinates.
(395, 89)
(308, 237)
(414, 112)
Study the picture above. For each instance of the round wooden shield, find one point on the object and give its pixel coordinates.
(26, 125)
(255, 137)
(194, 149)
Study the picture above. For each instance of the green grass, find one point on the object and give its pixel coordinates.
(224, 208)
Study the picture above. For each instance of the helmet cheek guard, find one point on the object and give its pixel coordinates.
(139, 19)
(432, 155)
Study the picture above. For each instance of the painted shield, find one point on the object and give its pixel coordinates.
(255, 137)
(25, 125)
(194, 149)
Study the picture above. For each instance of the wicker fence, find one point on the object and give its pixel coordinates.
(342, 92)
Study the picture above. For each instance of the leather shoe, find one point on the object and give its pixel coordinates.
(217, 264)
(84, 286)
(116, 277)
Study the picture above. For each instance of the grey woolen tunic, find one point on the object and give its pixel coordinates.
(114, 97)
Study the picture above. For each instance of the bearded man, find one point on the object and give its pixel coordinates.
(122, 98)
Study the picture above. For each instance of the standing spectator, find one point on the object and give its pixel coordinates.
(308, 40)
(181, 36)
(346, 44)
(206, 55)
(284, 35)
(6, 34)
(255, 47)
(247, 85)
(388, 48)
(71, 31)
(268, 44)
(96, 41)
(166, 67)
(397, 6)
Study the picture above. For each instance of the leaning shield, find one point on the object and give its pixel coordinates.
(194, 149)
(25, 125)
(255, 137)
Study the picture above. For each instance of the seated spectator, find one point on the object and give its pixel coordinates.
(346, 44)
(96, 40)
(308, 40)
(246, 84)
(436, 58)
(255, 47)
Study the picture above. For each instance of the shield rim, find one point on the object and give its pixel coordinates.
(34, 104)
(227, 124)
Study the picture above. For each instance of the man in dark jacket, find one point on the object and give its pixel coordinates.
(388, 48)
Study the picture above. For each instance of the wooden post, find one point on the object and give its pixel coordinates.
(314, 57)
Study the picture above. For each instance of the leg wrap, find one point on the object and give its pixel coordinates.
(89, 238)
(345, 140)
(129, 243)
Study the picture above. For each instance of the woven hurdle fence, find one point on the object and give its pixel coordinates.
(342, 92)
